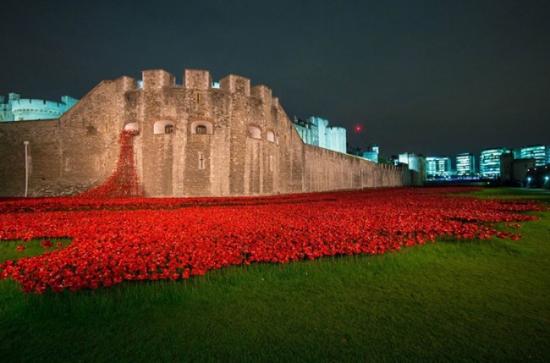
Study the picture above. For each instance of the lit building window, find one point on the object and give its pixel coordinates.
(438, 167)
(465, 164)
(254, 132)
(489, 162)
(540, 153)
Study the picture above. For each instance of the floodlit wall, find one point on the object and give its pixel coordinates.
(67, 155)
(317, 132)
(193, 140)
(43, 156)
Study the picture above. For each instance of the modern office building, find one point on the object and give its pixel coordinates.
(465, 164)
(540, 153)
(15, 108)
(438, 167)
(489, 162)
(316, 131)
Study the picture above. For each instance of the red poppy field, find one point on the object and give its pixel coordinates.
(116, 240)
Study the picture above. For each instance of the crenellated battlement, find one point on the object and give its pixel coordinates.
(197, 79)
(236, 84)
(154, 79)
(127, 83)
(194, 138)
(37, 104)
(17, 108)
(200, 79)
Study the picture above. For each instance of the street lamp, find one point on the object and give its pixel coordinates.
(26, 143)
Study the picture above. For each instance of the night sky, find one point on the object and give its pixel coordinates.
(432, 77)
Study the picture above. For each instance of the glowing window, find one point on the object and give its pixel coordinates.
(254, 132)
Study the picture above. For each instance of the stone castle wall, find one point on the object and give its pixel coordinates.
(43, 151)
(193, 140)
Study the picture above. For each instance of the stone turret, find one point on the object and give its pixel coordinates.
(24, 109)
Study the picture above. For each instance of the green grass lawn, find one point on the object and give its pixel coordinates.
(467, 300)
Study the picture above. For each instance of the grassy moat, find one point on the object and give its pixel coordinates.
(449, 301)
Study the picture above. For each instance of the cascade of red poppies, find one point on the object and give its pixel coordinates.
(124, 181)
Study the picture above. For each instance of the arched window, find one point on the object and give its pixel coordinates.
(202, 128)
(270, 136)
(163, 127)
(254, 132)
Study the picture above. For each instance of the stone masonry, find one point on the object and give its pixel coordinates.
(194, 140)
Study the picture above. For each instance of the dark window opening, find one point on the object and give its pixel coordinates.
(90, 130)
(201, 129)
(202, 164)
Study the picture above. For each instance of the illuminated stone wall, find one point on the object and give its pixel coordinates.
(317, 132)
(194, 139)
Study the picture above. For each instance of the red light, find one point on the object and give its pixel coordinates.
(358, 128)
